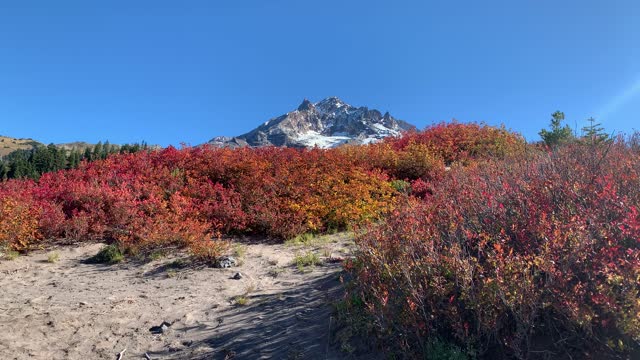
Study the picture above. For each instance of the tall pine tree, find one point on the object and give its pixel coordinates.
(558, 134)
(594, 132)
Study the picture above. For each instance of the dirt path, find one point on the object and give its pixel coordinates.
(69, 309)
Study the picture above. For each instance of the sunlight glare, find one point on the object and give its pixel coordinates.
(620, 100)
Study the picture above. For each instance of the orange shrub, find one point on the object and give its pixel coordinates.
(418, 161)
(18, 216)
(458, 142)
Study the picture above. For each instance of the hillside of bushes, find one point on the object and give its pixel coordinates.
(471, 242)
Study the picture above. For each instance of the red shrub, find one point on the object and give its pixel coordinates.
(513, 254)
(184, 197)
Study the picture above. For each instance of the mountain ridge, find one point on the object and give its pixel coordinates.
(10, 144)
(327, 123)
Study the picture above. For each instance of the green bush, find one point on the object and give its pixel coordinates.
(110, 254)
(401, 186)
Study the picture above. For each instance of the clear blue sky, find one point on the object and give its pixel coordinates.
(184, 71)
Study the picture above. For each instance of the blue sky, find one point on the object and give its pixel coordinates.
(184, 71)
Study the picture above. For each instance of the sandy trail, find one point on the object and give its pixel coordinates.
(73, 310)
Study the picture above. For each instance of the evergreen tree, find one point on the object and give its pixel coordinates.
(558, 134)
(59, 156)
(105, 149)
(87, 154)
(21, 168)
(4, 171)
(74, 159)
(43, 159)
(594, 132)
(97, 151)
(62, 159)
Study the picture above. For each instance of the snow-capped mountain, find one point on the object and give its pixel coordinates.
(325, 124)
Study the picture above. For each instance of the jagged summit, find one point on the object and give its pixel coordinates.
(327, 123)
(306, 105)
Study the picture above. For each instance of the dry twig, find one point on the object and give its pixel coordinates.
(121, 354)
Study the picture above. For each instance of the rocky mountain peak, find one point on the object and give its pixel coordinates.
(328, 123)
(332, 104)
(306, 105)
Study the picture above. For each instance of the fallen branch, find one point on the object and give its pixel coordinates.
(121, 354)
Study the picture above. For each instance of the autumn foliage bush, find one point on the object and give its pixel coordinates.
(188, 197)
(415, 161)
(461, 142)
(531, 255)
(424, 155)
(18, 216)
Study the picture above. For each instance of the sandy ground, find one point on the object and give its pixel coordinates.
(70, 309)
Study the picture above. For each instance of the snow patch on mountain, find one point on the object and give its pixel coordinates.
(312, 139)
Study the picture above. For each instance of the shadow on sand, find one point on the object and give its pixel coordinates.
(294, 324)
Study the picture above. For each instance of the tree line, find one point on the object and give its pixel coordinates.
(32, 163)
(559, 134)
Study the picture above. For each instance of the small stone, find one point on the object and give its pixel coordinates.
(335, 259)
(83, 303)
(226, 262)
(237, 276)
(163, 328)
